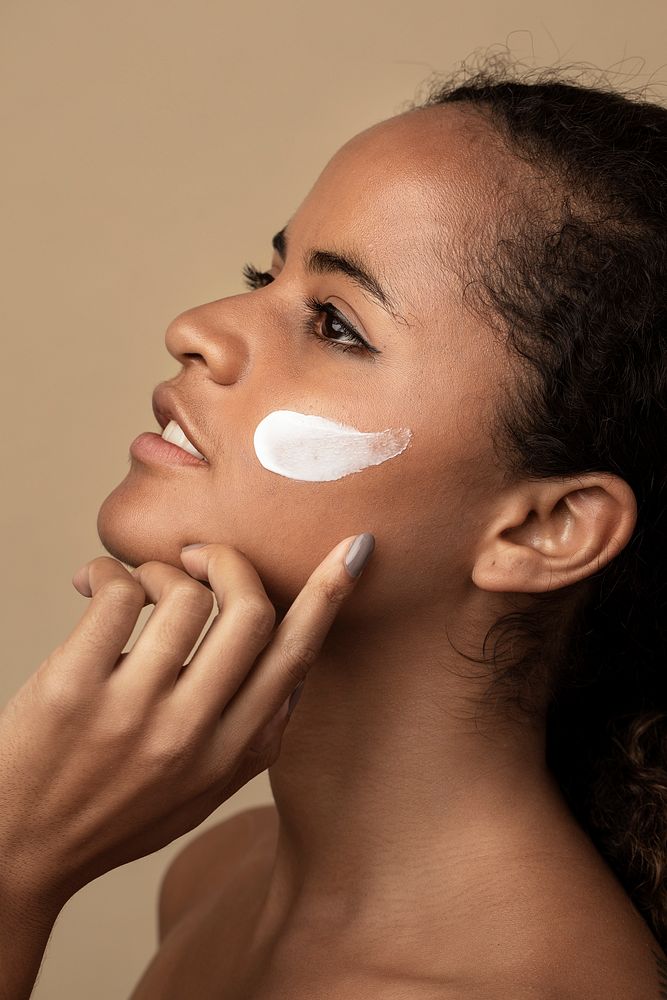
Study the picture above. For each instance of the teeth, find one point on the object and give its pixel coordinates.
(173, 432)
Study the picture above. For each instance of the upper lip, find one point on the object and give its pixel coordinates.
(166, 407)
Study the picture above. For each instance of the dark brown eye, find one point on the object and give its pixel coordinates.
(315, 311)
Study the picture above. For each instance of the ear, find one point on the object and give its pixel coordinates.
(551, 533)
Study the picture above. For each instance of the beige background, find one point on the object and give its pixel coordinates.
(150, 149)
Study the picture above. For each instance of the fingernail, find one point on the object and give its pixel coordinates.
(195, 545)
(359, 553)
(294, 698)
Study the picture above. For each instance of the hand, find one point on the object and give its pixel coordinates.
(107, 756)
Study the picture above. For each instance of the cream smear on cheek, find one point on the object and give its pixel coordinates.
(307, 447)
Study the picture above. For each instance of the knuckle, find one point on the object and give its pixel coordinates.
(122, 718)
(298, 653)
(333, 591)
(191, 595)
(255, 614)
(123, 591)
(171, 751)
(60, 697)
(125, 727)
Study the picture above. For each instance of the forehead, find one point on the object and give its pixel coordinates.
(404, 194)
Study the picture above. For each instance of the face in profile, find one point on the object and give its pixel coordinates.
(334, 399)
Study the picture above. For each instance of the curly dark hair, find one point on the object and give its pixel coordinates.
(575, 277)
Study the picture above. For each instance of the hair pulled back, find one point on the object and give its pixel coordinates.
(578, 285)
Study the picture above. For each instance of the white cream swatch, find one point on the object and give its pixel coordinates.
(307, 447)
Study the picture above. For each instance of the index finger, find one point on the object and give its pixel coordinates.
(93, 647)
(293, 649)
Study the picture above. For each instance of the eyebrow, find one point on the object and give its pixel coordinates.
(331, 262)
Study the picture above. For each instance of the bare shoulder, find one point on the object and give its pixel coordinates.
(618, 957)
(631, 966)
(203, 866)
(630, 974)
(600, 948)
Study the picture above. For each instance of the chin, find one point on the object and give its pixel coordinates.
(134, 533)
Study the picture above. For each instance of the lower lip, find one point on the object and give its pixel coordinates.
(150, 447)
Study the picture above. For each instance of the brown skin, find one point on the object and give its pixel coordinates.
(108, 756)
(396, 808)
(383, 773)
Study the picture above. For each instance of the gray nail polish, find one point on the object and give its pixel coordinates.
(359, 553)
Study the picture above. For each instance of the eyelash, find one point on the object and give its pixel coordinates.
(255, 278)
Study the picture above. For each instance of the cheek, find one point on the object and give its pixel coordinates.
(439, 505)
(413, 491)
(286, 525)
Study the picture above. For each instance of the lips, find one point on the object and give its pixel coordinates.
(166, 408)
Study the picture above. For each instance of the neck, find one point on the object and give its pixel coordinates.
(389, 793)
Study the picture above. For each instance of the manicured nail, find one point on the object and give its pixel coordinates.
(195, 545)
(294, 698)
(359, 553)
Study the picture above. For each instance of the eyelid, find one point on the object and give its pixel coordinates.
(354, 323)
(314, 307)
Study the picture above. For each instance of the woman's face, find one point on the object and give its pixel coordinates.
(400, 199)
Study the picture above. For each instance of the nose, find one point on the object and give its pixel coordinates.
(206, 335)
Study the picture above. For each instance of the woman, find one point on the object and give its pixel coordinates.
(458, 352)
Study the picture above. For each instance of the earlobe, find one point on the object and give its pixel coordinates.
(551, 533)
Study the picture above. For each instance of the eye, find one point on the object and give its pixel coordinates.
(333, 323)
(324, 316)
